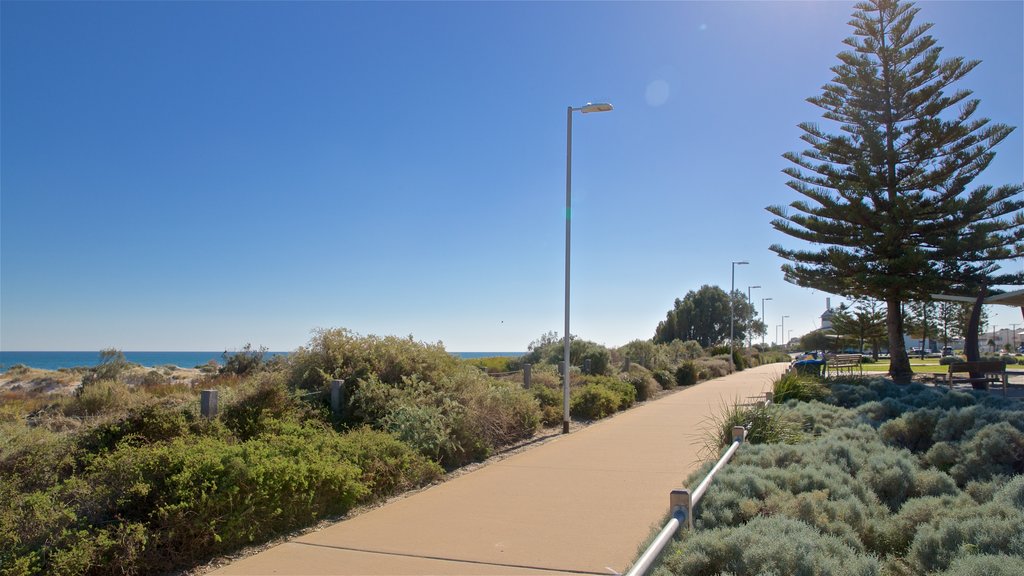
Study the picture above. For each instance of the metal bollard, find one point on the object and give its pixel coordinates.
(208, 404)
(337, 396)
(527, 374)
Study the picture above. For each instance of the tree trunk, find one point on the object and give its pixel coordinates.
(971, 338)
(899, 362)
(971, 348)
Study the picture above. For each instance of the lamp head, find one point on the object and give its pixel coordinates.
(599, 107)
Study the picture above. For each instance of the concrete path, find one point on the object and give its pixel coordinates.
(581, 504)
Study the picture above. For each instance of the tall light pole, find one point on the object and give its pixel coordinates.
(732, 312)
(778, 340)
(764, 333)
(588, 108)
(785, 345)
(751, 304)
(1013, 336)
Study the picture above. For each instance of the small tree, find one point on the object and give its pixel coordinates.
(863, 321)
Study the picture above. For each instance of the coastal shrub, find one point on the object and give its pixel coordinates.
(495, 364)
(996, 449)
(913, 430)
(462, 418)
(665, 379)
(550, 401)
(680, 350)
(686, 374)
(246, 416)
(341, 354)
(987, 564)
(99, 397)
(112, 365)
(642, 381)
(738, 361)
(593, 402)
(645, 353)
(772, 545)
(245, 361)
(151, 422)
(993, 528)
(714, 367)
(793, 386)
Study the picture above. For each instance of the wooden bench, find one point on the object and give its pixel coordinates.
(839, 363)
(991, 373)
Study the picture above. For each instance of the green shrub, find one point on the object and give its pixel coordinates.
(997, 449)
(341, 354)
(245, 361)
(714, 367)
(738, 361)
(686, 374)
(993, 528)
(642, 381)
(986, 564)
(550, 400)
(793, 386)
(913, 430)
(767, 546)
(593, 402)
(99, 397)
(246, 417)
(665, 379)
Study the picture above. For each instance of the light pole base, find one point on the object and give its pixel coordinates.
(565, 427)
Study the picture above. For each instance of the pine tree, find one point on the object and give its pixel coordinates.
(886, 207)
(864, 321)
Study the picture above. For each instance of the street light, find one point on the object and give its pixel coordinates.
(586, 109)
(785, 345)
(764, 333)
(732, 314)
(751, 304)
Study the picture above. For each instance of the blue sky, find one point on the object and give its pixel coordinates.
(195, 176)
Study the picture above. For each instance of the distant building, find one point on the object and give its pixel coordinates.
(826, 317)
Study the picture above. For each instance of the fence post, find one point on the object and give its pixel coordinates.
(561, 368)
(527, 367)
(337, 396)
(769, 397)
(208, 404)
(626, 366)
(586, 366)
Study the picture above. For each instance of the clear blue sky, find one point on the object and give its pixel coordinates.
(195, 176)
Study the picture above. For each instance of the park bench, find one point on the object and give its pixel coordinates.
(839, 363)
(991, 372)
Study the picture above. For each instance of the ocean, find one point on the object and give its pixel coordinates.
(55, 360)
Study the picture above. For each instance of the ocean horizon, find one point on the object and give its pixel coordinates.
(55, 360)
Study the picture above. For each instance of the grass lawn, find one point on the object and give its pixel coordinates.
(918, 365)
(926, 366)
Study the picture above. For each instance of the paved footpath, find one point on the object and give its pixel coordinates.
(580, 504)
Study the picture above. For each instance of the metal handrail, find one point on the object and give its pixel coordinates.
(682, 503)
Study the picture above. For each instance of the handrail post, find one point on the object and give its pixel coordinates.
(739, 434)
(769, 398)
(680, 502)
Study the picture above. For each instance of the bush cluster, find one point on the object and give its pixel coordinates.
(884, 479)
